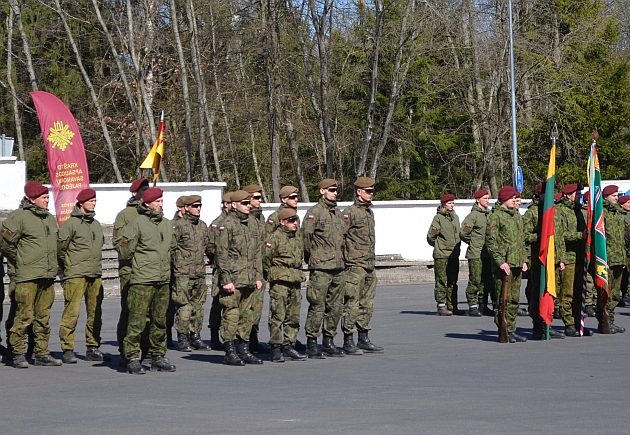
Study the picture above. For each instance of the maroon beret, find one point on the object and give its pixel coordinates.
(586, 195)
(151, 194)
(506, 193)
(86, 195)
(569, 189)
(480, 193)
(609, 190)
(33, 189)
(623, 199)
(558, 196)
(137, 184)
(447, 197)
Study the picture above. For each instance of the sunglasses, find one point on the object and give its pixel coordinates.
(369, 190)
(245, 202)
(332, 189)
(292, 219)
(195, 205)
(258, 197)
(292, 197)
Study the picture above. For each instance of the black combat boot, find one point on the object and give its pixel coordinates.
(161, 364)
(68, 357)
(255, 345)
(367, 345)
(515, 338)
(215, 341)
(231, 358)
(570, 331)
(290, 352)
(349, 347)
(182, 342)
(617, 329)
(329, 348)
(276, 353)
(197, 343)
(94, 354)
(473, 311)
(134, 367)
(46, 360)
(19, 362)
(313, 350)
(242, 349)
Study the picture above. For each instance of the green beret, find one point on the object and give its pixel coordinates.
(364, 182)
(227, 197)
(188, 200)
(252, 188)
(288, 191)
(181, 201)
(240, 195)
(286, 213)
(326, 183)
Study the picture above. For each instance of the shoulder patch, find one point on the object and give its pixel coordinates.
(221, 228)
(125, 241)
(311, 217)
(268, 244)
(6, 231)
(346, 217)
(270, 221)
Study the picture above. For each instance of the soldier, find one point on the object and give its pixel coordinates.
(473, 232)
(282, 265)
(624, 202)
(443, 235)
(288, 199)
(616, 253)
(323, 231)
(147, 242)
(568, 245)
(2, 349)
(29, 241)
(505, 241)
(170, 313)
(125, 217)
(360, 277)
(216, 310)
(80, 247)
(189, 270)
(239, 267)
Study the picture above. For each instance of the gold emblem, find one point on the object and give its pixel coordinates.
(60, 135)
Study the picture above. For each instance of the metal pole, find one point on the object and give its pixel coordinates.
(513, 92)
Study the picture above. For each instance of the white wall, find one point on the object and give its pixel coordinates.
(12, 180)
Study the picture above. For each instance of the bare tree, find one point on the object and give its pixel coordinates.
(14, 97)
(14, 4)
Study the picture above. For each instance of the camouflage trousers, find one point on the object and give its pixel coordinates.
(237, 313)
(189, 295)
(146, 301)
(216, 309)
(591, 297)
(446, 273)
(284, 312)
(123, 319)
(615, 274)
(33, 302)
(359, 293)
(565, 282)
(257, 306)
(480, 282)
(532, 292)
(513, 297)
(325, 297)
(74, 290)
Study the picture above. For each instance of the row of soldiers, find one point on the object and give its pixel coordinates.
(162, 263)
(503, 245)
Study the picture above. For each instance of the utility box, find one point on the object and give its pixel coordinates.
(6, 146)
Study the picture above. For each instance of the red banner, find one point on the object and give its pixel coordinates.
(67, 164)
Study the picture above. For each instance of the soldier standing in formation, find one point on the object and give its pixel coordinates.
(323, 232)
(473, 232)
(80, 254)
(29, 240)
(288, 199)
(624, 203)
(189, 272)
(360, 277)
(239, 268)
(147, 243)
(282, 265)
(507, 248)
(443, 235)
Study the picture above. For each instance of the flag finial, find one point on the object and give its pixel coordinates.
(554, 132)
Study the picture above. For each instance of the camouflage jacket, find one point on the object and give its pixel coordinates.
(238, 255)
(258, 219)
(148, 242)
(80, 245)
(568, 239)
(282, 257)
(360, 236)
(323, 231)
(273, 222)
(531, 228)
(626, 219)
(473, 232)
(193, 242)
(29, 242)
(443, 234)
(615, 234)
(126, 215)
(212, 236)
(504, 237)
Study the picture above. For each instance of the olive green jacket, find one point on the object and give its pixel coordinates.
(273, 221)
(282, 257)
(29, 241)
(360, 236)
(192, 244)
(238, 251)
(323, 231)
(80, 245)
(257, 218)
(626, 220)
(531, 229)
(124, 217)
(443, 234)
(212, 236)
(473, 232)
(615, 234)
(147, 242)
(568, 239)
(504, 237)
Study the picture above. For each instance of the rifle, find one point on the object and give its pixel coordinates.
(503, 329)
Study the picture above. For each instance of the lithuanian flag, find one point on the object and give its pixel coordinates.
(153, 159)
(547, 254)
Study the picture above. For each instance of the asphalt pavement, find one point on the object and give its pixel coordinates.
(438, 375)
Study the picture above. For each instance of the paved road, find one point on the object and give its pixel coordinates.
(437, 376)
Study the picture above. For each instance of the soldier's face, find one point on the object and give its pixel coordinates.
(292, 200)
(572, 196)
(449, 206)
(243, 206)
(180, 211)
(256, 199)
(365, 195)
(156, 205)
(194, 209)
(484, 201)
(89, 205)
(626, 206)
(41, 201)
(227, 206)
(512, 202)
(330, 194)
(613, 198)
(290, 223)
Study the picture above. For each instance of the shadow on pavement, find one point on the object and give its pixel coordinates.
(482, 335)
(208, 358)
(420, 313)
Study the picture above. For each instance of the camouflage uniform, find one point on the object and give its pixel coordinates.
(80, 253)
(323, 230)
(147, 243)
(616, 253)
(282, 264)
(29, 241)
(256, 218)
(273, 221)
(214, 319)
(443, 235)
(531, 230)
(505, 241)
(480, 282)
(624, 288)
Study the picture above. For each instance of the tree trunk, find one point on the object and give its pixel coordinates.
(27, 49)
(16, 111)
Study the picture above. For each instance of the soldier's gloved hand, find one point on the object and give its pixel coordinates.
(258, 285)
(505, 268)
(562, 266)
(229, 288)
(525, 267)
